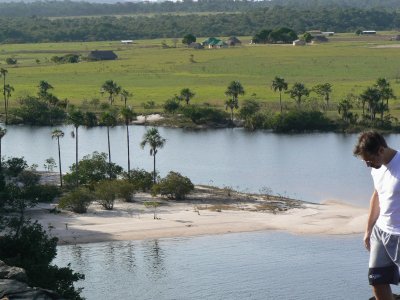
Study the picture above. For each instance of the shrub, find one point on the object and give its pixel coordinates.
(11, 61)
(15, 165)
(298, 121)
(92, 168)
(141, 179)
(202, 115)
(174, 186)
(171, 105)
(106, 192)
(45, 193)
(77, 201)
(126, 190)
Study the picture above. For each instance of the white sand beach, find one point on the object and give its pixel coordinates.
(202, 215)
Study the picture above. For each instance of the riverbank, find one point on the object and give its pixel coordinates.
(207, 211)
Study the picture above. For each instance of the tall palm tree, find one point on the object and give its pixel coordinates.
(76, 118)
(124, 96)
(3, 132)
(386, 92)
(109, 119)
(57, 134)
(127, 115)
(3, 72)
(153, 138)
(279, 84)
(8, 89)
(324, 90)
(112, 88)
(187, 94)
(372, 97)
(234, 89)
(297, 92)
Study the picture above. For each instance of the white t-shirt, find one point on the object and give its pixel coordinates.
(387, 184)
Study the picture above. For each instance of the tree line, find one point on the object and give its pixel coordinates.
(75, 8)
(39, 29)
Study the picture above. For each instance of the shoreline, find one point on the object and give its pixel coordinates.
(208, 212)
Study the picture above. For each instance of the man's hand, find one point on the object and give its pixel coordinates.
(367, 243)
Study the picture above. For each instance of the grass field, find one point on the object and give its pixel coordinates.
(348, 62)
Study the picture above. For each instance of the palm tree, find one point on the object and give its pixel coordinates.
(153, 138)
(187, 94)
(386, 92)
(44, 86)
(3, 72)
(128, 114)
(372, 97)
(324, 90)
(109, 119)
(3, 132)
(124, 96)
(76, 118)
(8, 89)
(279, 84)
(58, 133)
(112, 88)
(297, 92)
(234, 89)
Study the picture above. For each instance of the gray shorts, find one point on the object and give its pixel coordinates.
(384, 259)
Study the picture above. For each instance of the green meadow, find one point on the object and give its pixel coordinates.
(150, 72)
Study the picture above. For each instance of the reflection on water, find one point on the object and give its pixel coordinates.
(262, 265)
(312, 167)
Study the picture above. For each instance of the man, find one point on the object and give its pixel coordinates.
(382, 234)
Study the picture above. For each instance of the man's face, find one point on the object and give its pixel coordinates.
(373, 160)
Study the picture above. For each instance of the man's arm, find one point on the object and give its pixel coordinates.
(372, 217)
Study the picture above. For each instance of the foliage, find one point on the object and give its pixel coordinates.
(188, 39)
(172, 105)
(92, 168)
(141, 179)
(50, 164)
(34, 111)
(297, 92)
(205, 115)
(78, 200)
(174, 186)
(153, 204)
(14, 166)
(186, 94)
(126, 189)
(155, 141)
(299, 121)
(249, 108)
(11, 61)
(106, 191)
(280, 35)
(68, 58)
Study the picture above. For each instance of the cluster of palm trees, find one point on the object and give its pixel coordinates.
(299, 90)
(152, 138)
(7, 90)
(113, 90)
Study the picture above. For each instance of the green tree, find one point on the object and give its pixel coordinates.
(92, 169)
(50, 164)
(188, 39)
(127, 115)
(344, 107)
(106, 192)
(112, 88)
(386, 93)
(109, 119)
(174, 186)
(77, 200)
(234, 89)
(3, 132)
(125, 96)
(76, 118)
(44, 87)
(372, 97)
(279, 84)
(307, 37)
(57, 134)
(323, 90)
(155, 141)
(297, 92)
(172, 105)
(187, 94)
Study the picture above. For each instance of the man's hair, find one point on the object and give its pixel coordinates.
(369, 142)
